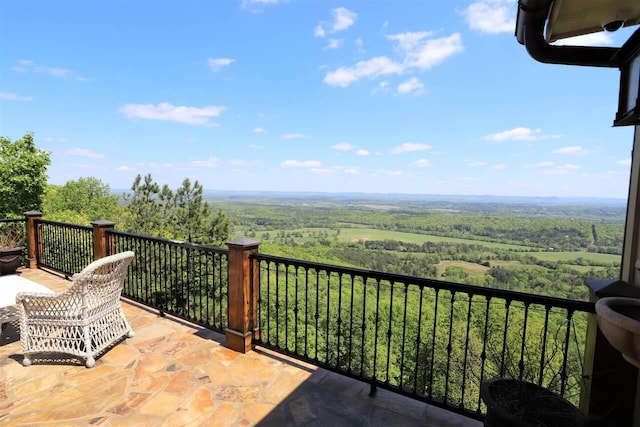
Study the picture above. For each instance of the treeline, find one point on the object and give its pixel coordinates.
(148, 209)
(542, 231)
(529, 275)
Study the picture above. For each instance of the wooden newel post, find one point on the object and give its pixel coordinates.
(102, 244)
(32, 250)
(243, 300)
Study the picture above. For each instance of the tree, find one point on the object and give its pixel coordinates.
(82, 201)
(23, 177)
(183, 215)
(146, 206)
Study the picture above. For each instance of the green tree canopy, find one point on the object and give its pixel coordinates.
(23, 177)
(82, 201)
(182, 215)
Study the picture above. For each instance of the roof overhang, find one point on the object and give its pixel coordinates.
(540, 22)
(570, 18)
(531, 25)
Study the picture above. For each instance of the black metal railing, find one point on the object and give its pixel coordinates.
(65, 248)
(13, 234)
(432, 340)
(186, 280)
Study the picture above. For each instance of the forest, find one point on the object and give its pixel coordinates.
(542, 249)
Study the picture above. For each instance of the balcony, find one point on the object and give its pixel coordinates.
(239, 337)
(177, 373)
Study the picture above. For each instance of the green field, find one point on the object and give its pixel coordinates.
(572, 256)
(357, 234)
(351, 234)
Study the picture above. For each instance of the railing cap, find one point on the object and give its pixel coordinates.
(244, 242)
(33, 213)
(102, 223)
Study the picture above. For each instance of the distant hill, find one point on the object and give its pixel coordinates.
(272, 196)
(550, 201)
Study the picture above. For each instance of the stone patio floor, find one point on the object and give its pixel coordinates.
(172, 373)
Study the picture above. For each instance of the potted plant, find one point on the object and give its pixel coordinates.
(11, 249)
(516, 403)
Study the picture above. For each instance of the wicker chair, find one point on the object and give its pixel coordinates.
(83, 320)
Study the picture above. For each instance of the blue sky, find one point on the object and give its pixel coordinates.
(377, 96)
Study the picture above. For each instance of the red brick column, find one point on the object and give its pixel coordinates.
(243, 300)
(32, 250)
(102, 244)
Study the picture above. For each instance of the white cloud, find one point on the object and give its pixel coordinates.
(374, 67)
(343, 146)
(83, 152)
(334, 44)
(417, 50)
(211, 162)
(424, 53)
(574, 150)
(294, 136)
(434, 51)
(593, 39)
(342, 19)
(412, 86)
(483, 164)
(58, 72)
(25, 65)
(422, 163)
(301, 164)
(515, 134)
(491, 16)
(216, 64)
(169, 112)
(13, 97)
(22, 66)
(259, 130)
(252, 5)
(362, 153)
(125, 168)
(625, 162)
(161, 165)
(542, 164)
(254, 146)
(570, 166)
(409, 147)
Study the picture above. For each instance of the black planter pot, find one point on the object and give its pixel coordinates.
(515, 403)
(10, 259)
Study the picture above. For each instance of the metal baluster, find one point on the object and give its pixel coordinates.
(524, 340)
(466, 351)
(404, 333)
(449, 347)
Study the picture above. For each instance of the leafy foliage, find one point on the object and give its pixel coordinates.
(23, 178)
(181, 215)
(82, 201)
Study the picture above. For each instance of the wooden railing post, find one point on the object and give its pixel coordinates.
(243, 301)
(32, 250)
(102, 245)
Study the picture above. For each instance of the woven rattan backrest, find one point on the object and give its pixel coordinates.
(99, 283)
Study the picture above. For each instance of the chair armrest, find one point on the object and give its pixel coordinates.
(44, 305)
(34, 296)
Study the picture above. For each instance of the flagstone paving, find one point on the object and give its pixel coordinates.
(172, 373)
